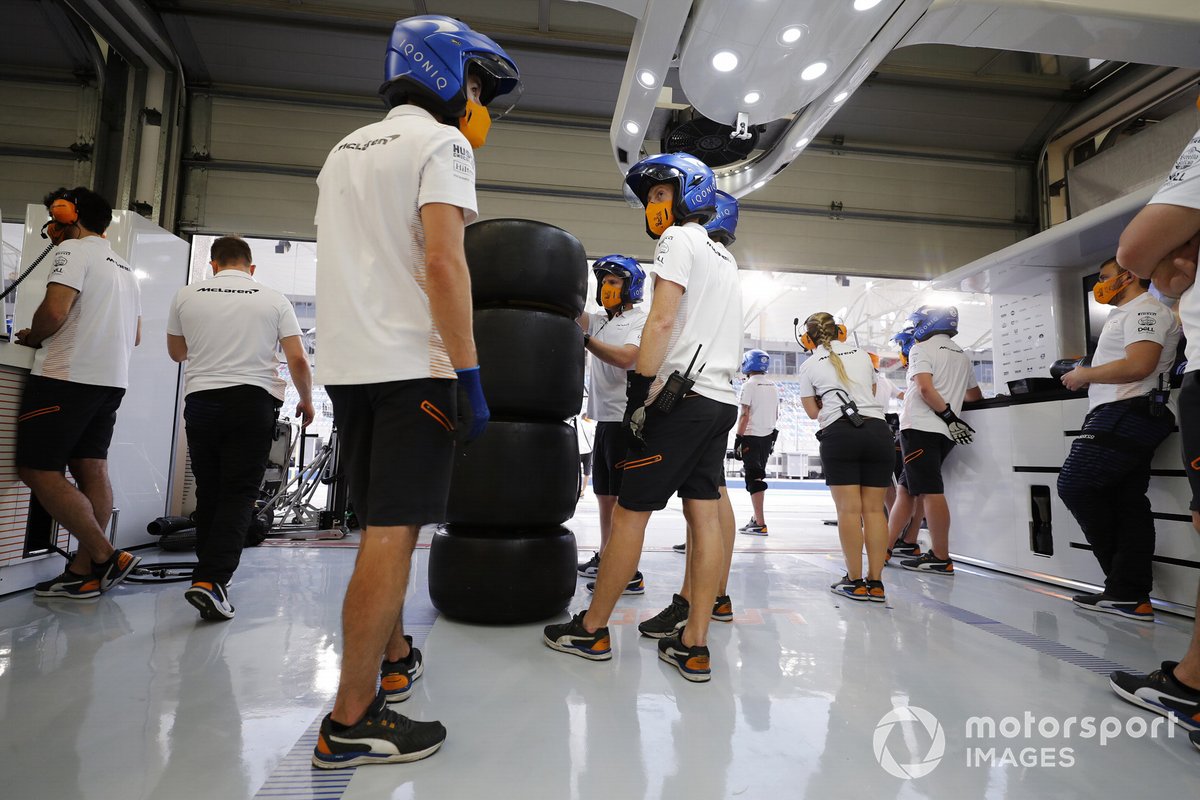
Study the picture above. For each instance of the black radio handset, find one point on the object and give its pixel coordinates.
(676, 386)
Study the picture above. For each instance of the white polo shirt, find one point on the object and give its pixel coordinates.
(709, 318)
(818, 378)
(1143, 319)
(885, 391)
(232, 325)
(952, 377)
(93, 346)
(762, 396)
(1182, 188)
(373, 318)
(606, 385)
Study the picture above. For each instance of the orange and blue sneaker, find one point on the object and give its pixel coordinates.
(211, 599)
(1129, 609)
(116, 569)
(848, 587)
(571, 637)
(692, 662)
(928, 562)
(1162, 693)
(722, 609)
(380, 737)
(396, 678)
(69, 585)
(875, 592)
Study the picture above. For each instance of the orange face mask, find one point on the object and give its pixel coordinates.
(475, 124)
(659, 217)
(610, 297)
(1105, 291)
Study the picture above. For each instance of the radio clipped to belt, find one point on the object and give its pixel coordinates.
(676, 386)
(848, 407)
(1157, 398)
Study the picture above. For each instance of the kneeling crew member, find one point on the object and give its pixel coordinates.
(613, 339)
(227, 330)
(1105, 478)
(679, 411)
(940, 378)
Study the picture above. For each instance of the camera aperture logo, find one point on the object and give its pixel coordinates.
(933, 728)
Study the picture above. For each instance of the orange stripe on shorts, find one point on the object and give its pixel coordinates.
(435, 412)
(913, 455)
(39, 412)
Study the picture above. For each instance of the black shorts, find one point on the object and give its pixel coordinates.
(924, 454)
(1189, 433)
(854, 456)
(684, 453)
(61, 421)
(397, 448)
(608, 458)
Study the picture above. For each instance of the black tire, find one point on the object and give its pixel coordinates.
(509, 577)
(531, 363)
(519, 263)
(178, 541)
(517, 475)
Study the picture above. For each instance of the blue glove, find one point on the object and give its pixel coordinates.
(473, 413)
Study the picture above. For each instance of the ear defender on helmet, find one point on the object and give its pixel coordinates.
(431, 56)
(63, 214)
(723, 225)
(755, 361)
(806, 341)
(633, 280)
(695, 190)
(931, 320)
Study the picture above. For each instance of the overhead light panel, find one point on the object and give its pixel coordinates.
(725, 61)
(751, 98)
(791, 35)
(814, 71)
(647, 78)
(865, 5)
(801, 142)
(840, 96)
(632, 128)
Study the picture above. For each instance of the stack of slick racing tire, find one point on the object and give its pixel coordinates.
(504, 556)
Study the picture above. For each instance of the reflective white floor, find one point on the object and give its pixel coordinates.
(131, 697)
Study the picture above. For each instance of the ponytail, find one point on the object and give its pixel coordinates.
(822, 329)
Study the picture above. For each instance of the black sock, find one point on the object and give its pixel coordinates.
(340, 728)
(1175, 677)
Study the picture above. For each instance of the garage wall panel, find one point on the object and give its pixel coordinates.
(41, 116)
(936, 214)
(26, 180)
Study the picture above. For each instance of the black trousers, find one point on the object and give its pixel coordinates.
(229, 434)
(1104, 481)
(755, 455)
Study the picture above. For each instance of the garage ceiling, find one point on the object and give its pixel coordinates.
(572, 56)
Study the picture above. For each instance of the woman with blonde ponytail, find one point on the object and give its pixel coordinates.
(837, 388)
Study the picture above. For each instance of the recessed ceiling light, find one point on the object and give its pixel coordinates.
(760, 184)
(647, 78)
(751, 98)
(865, 5)
(632, 128)
(840, 96)
(791, 35)
(801, 142)
(725, 61)
(814, 71)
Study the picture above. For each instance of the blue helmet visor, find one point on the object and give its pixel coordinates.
(648, 176)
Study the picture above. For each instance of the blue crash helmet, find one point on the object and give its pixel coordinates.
(931, 320)
(430, 55)
(695, 184)
(755, 361)
(904, 340)
(627, 269)
(723, 226)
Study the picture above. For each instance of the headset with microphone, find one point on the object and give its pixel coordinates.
(64, 212)
(805, 341)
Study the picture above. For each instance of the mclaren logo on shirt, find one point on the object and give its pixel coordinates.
(368, 144)
(118, 263)
(226, 291)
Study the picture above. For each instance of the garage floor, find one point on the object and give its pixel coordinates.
(130, 696)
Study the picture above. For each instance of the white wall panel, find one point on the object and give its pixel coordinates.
(37, 115)
(26, 180)
(566, 176)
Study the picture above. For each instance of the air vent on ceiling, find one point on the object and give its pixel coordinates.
(708, 140)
